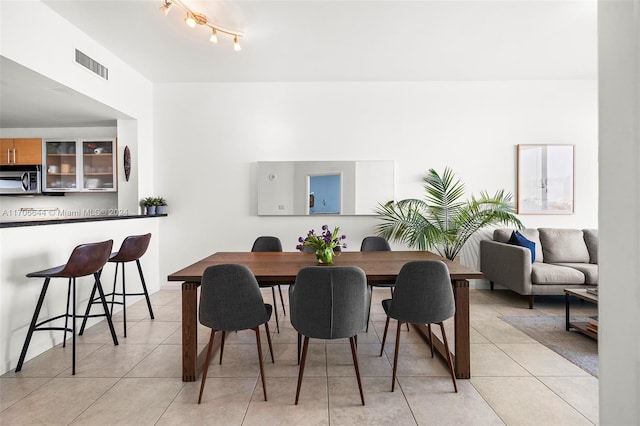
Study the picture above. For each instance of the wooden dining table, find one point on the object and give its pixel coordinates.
(282, 268)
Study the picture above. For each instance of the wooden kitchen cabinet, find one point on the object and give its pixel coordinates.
(20, 151)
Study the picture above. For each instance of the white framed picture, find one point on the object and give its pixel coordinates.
(545, 179)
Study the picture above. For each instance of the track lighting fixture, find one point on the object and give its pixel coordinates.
(193, 19)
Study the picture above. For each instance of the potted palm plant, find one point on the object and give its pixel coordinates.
(442, 221)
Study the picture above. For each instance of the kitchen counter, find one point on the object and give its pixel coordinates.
(29, 218)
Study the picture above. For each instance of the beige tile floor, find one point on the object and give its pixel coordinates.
(515, 380)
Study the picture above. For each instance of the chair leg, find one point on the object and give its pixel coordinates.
(284, 311)
(275, 308)
(124, 302)
(264, 384)
(354, 355)
(266, 326)
(395, 356)
(88, 310)
(113, 291)
(491, 285)
(531, 301)
(224, 335)
(66, 317)
(32, 326)
(206, 365)
(430, 339)
(305, 346)
(299, 346)
(449, 361)
(73, 330)
(384, 336)
(144, 288)
(369, 310)
(105, 307)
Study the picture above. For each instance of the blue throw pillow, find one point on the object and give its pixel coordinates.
(517, 239)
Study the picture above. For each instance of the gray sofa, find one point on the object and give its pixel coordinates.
(564, 258)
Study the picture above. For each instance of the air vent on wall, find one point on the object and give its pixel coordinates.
(92, 65)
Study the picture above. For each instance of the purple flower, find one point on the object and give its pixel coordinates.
(325, 227)
(301, 240)
(344, 245)
(344, 237)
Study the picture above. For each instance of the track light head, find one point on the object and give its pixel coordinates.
(166, 7)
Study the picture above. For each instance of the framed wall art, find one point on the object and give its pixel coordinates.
(545, 179)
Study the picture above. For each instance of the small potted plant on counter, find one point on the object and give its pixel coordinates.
(149, 204)
(161, 205)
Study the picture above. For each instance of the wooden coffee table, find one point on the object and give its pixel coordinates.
(580, 326)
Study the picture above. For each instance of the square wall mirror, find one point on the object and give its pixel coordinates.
(300, 188)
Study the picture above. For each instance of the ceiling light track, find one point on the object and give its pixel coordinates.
(193, 19)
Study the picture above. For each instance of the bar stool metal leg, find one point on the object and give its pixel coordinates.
(66, 318)
(144, 288)
(106, 308)
(32, 326)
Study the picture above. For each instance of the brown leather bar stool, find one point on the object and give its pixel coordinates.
(86, 259)
(133, 248)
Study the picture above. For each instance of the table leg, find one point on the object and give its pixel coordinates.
(566, 301)
(462, 329)
(462, 356)
(189, 331)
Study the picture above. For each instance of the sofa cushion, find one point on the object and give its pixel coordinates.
(503, 235)
(591, 240)
(563, 245)
(589, 270)
(546, 273)
(517, 239)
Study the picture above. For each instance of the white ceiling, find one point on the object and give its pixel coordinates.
(316, 40)
(319, 40)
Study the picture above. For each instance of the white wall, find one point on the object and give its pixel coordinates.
(619, 256)
(207, 150)
(37, 38)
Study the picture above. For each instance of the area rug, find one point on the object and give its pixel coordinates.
(550, 331)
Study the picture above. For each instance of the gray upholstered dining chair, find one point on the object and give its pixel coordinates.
(423, 295)
(328, 302)
(230, 300)
(268, 243)
(374, 243)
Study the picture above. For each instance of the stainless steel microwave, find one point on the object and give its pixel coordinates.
(17, 180)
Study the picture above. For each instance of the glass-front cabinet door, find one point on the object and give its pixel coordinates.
(99, 162)
(81, 165)
(60, 166)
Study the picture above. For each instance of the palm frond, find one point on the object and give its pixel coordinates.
(443, 221)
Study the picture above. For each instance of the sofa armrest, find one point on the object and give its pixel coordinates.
(506, 265)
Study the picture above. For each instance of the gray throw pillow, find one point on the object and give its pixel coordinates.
(563, 245)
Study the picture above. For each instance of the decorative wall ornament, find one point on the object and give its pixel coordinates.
(127, 163)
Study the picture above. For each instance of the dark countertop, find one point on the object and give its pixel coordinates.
(37, 221)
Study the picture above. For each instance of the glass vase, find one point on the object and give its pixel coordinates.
(325, 256)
